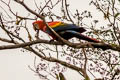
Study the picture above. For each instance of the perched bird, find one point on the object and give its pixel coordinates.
(66, 31)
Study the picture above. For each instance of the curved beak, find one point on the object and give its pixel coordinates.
(34, 26)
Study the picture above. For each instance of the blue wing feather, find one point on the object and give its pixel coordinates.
(67, 27)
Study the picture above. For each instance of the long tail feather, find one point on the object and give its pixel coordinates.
(81, 36)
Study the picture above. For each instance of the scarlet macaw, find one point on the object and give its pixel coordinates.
(65, 30)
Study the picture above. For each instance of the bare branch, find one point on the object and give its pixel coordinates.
(75, 45)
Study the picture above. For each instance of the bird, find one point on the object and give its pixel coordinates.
(65, 30)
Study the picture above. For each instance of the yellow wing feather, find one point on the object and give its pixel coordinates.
(55, 24)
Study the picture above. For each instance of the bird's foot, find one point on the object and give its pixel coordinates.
(52, 40)
(37, 37)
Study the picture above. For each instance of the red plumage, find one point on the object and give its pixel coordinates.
(65, 30)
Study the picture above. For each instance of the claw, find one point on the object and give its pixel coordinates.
(52, 40)
(37, 34)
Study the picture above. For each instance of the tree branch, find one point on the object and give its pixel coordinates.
(51, 59)
(75, 45)
(96, 45)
